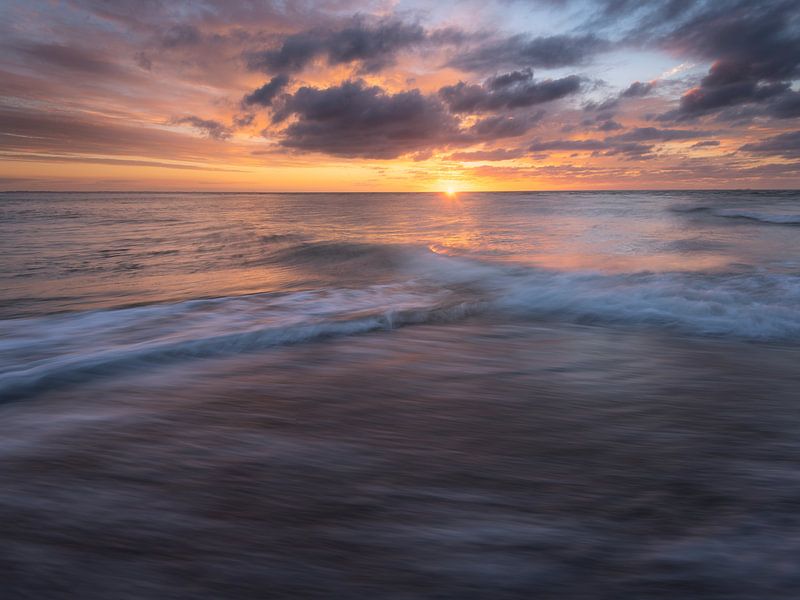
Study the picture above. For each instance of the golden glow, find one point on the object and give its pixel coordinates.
(449, 187)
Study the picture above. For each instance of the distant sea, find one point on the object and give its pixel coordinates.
(484, 395)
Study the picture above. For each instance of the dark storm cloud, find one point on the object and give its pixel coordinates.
(786, 145)
(499, 82)
(213, 129)
(501, 126)
(653, 134)
(354, 120)
(510, 91)
(730, 85)
(524, 52)
(758, 38)
(296, 52)
(755, 49)
(786, 106)
(373, 45)
(264, 95)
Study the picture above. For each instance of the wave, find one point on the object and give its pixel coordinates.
(745, 214)
(60, 349)
(758, 216)
(71, 349)
(762, 307)
(342, 254)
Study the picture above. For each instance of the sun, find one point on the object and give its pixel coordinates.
(448, 188)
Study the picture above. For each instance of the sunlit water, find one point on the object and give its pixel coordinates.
(589, 395)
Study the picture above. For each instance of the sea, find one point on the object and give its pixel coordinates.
(400, 395)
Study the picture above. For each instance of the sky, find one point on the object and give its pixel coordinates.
(399, 95)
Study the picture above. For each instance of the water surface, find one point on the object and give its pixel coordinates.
(566, 395)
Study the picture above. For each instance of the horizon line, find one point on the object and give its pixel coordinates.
(262, 192)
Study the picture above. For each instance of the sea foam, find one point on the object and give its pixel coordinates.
(56, 349)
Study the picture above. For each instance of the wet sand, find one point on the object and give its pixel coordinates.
(472, 460)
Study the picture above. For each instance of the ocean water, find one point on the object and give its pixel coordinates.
(550, 395)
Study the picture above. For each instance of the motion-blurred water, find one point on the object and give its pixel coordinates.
(582, 395)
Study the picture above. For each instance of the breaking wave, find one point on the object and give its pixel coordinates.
(427, 287)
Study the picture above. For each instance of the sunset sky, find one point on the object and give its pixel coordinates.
(399, 95)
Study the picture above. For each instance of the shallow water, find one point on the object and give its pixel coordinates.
(585, 395)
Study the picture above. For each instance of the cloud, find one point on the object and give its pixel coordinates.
(510, 91)
(786, 145)
(181, 35)
(499, 82)
(372, 44)
(355, 120)
(606, 147)
(630, 149)
(705, 144)
(502, 126)
(609, 125)
(100, 78)
(264, 95)
(375, 44)
(95, 160)
(728, 85)
(540, 146)
(653, 134)
(628, 144)
(610, 105)
(244, 120)
(785, 106)
(754, 49)
(273, 14)
(212, 129)
(487, 155)
(637, 89)
(520, 51)
(58, 132)
(603, 121)
(71, 58)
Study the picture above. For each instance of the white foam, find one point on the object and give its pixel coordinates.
(48, 350)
